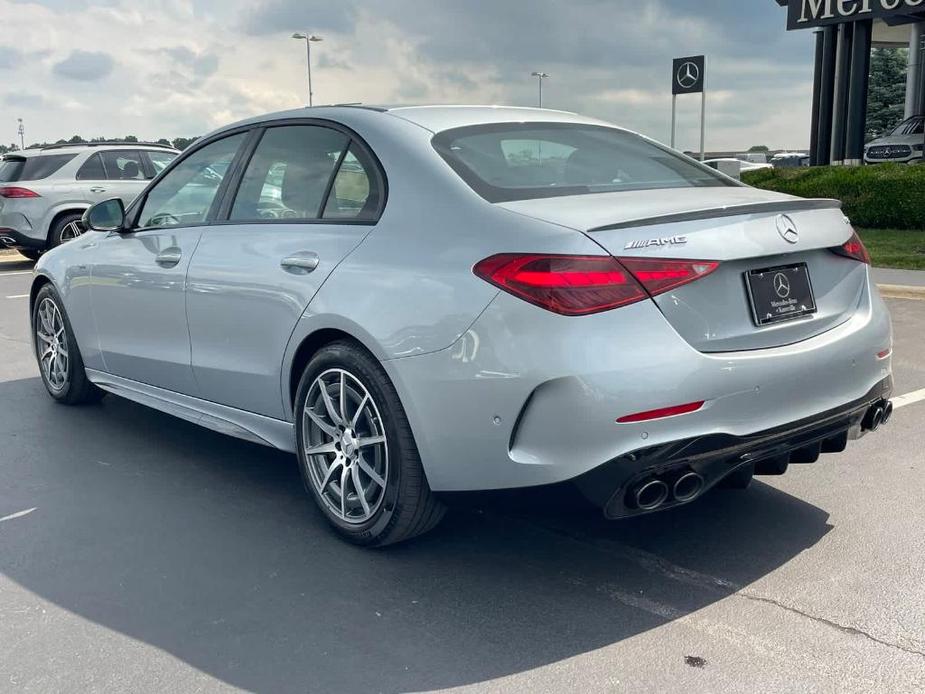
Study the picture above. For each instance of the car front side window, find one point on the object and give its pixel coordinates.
(185, 195)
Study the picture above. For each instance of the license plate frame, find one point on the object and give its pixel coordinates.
(776, 299)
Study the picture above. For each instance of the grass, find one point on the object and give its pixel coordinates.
(896, 248)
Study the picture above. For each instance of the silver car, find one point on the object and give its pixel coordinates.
(430, 299)
(44, 192)
(904, 145)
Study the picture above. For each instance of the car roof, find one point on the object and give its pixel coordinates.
(435, 118)
(77, 148)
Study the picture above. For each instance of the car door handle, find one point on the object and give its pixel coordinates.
(306, 261)
(169, 256)
(97, 189)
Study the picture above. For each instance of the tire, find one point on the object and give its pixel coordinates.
(397, 503)
(63, 231)
(30, 253)
(68, 383)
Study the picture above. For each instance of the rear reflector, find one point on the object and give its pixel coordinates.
(884, 353)
(571, 285)
(17, 192)
(853, 248)
(659, 275)
(661, 412)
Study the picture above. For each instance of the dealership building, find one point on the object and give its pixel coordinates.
(846, 30)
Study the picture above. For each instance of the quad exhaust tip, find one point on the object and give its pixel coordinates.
(687, 486)
(651, 494)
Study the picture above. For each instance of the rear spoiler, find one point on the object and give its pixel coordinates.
(726, 211)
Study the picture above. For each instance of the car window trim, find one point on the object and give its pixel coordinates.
(378, 176)
(138, 204)
(234, 183)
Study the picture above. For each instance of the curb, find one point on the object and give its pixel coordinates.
(901, 291)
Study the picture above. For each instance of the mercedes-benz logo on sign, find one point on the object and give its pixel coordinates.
(781, 285)
(787, 229)
(688, 75)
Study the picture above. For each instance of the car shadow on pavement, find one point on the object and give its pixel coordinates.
(207, 548)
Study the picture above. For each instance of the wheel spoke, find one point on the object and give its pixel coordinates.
(343, 399)
(356, 415)
(367, 468)
(323, 425)
(361, 495)
(321, 448)
(329, 475)
(370, 441)
(328, 405)
(344, 476)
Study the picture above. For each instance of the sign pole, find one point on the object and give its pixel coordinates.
(674, 117)
(703, 123)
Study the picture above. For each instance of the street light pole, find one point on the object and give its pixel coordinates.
(309, 39)
(540, 77)
(22, 134)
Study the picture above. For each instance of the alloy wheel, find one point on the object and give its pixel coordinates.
(51, 341)
(345, 446)
(70, 231)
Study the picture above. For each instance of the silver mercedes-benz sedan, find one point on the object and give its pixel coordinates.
(430, 299)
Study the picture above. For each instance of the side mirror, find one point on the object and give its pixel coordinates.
(108, 215)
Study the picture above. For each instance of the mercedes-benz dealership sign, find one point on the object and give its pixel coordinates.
(803, 14)
(688, 74)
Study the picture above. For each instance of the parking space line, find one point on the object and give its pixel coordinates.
(13, 274)
(909, 398)
(18, 296)
(18, 514)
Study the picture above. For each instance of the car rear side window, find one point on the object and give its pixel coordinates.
(123, 165)
(33, 168)
(92, 169)
(289, 173)
(160, 160)
(521, 161)
(356, 193)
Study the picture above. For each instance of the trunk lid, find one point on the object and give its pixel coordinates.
(738, 227)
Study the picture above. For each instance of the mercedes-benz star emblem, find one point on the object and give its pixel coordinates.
(781, 285)
(688, 75)
(787, 229)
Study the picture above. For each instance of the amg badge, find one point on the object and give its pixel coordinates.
(664, 241)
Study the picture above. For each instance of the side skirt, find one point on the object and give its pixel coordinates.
(225, 420)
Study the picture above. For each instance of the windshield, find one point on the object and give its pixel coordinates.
(913, 126)
(520, 161)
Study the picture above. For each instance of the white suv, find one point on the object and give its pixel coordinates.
(44, 192)
(903, 146)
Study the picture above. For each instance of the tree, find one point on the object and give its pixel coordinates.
(164, 141)
(182, 143)
(886, 101)
(759, 148)
(76, 140)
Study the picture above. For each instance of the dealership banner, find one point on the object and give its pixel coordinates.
(804, 14)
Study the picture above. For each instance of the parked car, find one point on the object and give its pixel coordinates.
(44, 192)
(790, 160)
(431, 299)
(904, 145)
(735, 166)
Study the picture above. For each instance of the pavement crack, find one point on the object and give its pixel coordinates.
(855, 631)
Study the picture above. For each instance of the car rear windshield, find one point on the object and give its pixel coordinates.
(13, 169)
(521, 161)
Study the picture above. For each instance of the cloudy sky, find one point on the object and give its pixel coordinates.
(170, 68)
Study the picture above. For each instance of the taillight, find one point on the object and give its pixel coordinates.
(17, 192)
(853, 248)
(571, 285)
(659, 276)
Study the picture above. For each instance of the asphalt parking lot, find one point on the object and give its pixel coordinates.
(141, 553)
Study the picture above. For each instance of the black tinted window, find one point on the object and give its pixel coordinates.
(92, 170)
(520, 161)
(185, 194)
(289, 173)
(123, 165)
(33, 168)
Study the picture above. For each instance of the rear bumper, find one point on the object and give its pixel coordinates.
(527, 397)
(714, 456)
(10, 238)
